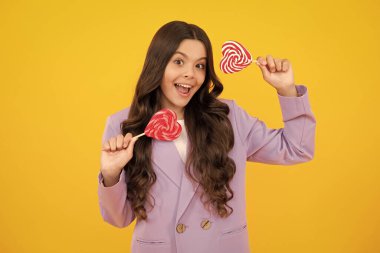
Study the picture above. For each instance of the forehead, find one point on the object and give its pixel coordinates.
(193, 49)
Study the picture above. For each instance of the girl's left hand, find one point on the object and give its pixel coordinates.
(278, 73)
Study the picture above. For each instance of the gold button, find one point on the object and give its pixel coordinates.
(181, 228)
(205, 224)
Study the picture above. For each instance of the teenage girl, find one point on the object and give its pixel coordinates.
(188, 195)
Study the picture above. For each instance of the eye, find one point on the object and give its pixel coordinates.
(178, 61)
(201, 66)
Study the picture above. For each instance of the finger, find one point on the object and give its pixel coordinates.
(106, 146)
(271, 65)
(263, 67)
(112, 143)
(131, 145)
(119, 141)
(278, 64)
(285, 65)
(262, 61)
(127, 139)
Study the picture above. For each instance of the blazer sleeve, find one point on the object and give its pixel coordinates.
(114, 206)
(292, 144)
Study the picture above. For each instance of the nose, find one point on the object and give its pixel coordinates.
(189, 72)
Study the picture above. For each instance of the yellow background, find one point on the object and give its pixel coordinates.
(66, 65)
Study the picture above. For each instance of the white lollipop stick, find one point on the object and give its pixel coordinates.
(137, 136)
(134, 137)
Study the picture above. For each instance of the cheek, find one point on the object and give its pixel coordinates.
(201, 78)
(169, 74)
(165, 88)
(166, 81)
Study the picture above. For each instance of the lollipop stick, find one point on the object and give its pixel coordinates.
(137, 136)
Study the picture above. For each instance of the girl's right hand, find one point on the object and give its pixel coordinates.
(116, 153)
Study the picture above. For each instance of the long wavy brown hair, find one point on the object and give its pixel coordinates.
(209, 129)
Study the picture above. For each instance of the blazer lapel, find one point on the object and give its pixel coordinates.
(167, 158)
(188, 189)
(165, 155)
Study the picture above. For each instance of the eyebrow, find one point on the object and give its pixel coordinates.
(178, 52)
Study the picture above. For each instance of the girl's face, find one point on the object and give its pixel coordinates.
(183, 76)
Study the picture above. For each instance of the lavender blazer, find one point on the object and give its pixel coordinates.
(179, 223)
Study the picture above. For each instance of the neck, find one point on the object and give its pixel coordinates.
(178, 111)
(179, 114)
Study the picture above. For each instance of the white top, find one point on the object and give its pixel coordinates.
(181, 141)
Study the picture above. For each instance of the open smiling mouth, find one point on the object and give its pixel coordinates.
(183, 88)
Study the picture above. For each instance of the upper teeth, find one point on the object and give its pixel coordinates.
(183, 85)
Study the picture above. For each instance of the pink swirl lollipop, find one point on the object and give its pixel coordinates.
(163, 126)
(235, 57)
